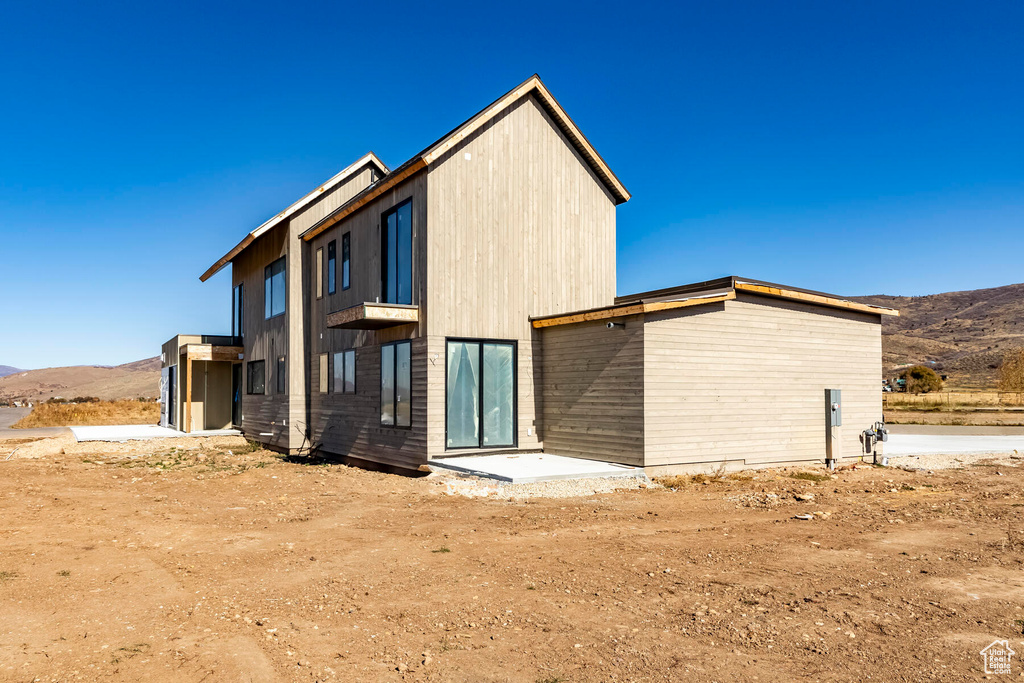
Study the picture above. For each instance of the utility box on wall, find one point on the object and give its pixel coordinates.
(833, 425)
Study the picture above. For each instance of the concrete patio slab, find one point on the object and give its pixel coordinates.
(140, 432)
(524, 468)
(951, 444)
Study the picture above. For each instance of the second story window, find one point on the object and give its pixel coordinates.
(274, 288)
(396, 246)
(236, 312)
(332, 261)
(346, 254)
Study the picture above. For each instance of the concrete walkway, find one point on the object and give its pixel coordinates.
(949, 442)
(524, 468)
(140, 432)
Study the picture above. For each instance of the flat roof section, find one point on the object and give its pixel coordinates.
(710, 291)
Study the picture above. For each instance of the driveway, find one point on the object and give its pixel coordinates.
(9, 416)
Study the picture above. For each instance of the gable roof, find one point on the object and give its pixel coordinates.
(534, 85)
(366, 160)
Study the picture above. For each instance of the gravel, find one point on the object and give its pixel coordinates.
(953, 461)
(474, 487)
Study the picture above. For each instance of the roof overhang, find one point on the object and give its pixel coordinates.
(369, 159)
(428, 156)
(701, 293)
(212, 352)
(373, 316)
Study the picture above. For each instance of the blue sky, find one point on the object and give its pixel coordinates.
(811, 143)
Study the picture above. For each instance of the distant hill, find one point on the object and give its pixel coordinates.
(132, 380)
(8, 370)
(965, 333)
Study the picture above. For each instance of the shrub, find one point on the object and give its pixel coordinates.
(921, 379)
(1011, 374)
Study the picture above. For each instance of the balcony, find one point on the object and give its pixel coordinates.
(373, 316)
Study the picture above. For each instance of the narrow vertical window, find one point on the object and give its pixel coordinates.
(396, 384)
(319, 273)
(282, 376)
(345, 372)
(236, 312)
(396, 243)
(323, 373)
(274, 288)
(332, 261)
(346, 255)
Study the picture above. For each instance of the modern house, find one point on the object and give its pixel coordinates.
(465, 303)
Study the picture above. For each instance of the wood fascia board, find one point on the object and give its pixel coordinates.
(208, 352)
(533, 84)
(368, 195)
(629, 309)
(373, 311)
(474, 124)
(582, 141)
(814, 299)
(368, 158)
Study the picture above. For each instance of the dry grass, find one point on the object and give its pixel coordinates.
(98, 413)
(952, 400)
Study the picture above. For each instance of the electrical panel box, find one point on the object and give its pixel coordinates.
(834, 406)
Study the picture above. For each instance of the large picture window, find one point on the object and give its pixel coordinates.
(274, 288)
(396, 237)
(345, 372)
(481, 396)
(256, 383)
(396, 384)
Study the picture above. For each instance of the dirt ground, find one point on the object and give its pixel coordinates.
(203, 562)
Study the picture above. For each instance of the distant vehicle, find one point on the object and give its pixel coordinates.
(886, 389)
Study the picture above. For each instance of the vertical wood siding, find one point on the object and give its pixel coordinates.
(282, 420)
(743, 382)
(521, 227)
(344, 424)
(593, 390)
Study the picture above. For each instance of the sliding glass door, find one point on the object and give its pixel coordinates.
(481, 394)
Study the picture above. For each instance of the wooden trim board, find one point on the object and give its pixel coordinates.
(818, 299)
(629, 309)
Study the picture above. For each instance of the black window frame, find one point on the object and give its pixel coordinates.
(515, 391)
(346, 261)
(332, 262)
(238, 310)
(250, 367)
(268, 296)
(344, 374)
(281, 375)
(385, 257)
(394, 360)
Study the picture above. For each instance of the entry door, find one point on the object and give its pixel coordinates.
(236, 394)
(172, 396)
(481, 394)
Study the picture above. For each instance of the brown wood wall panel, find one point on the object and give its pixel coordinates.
(592, 391)
(280, 420)
(349, 424)
(744, 381)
